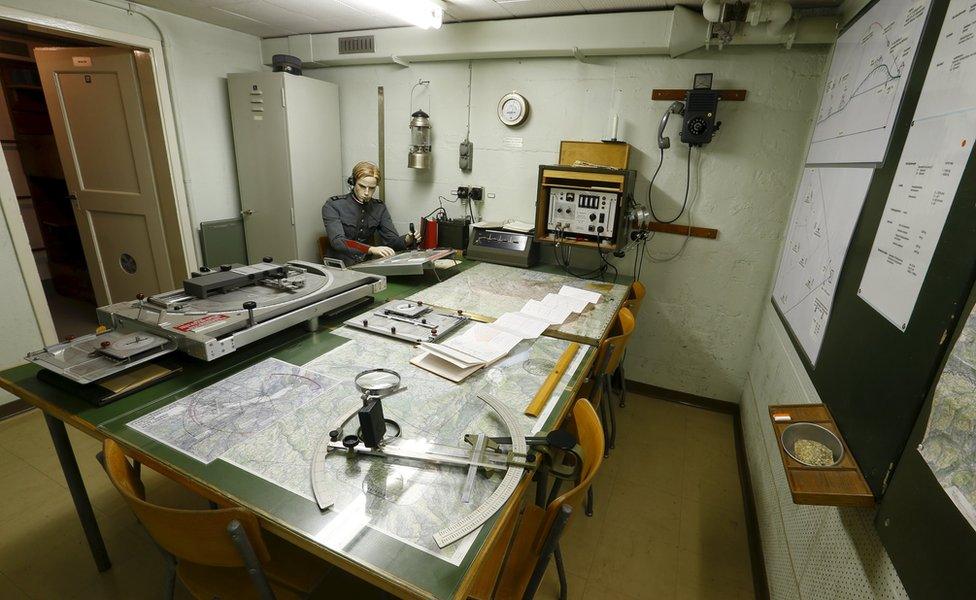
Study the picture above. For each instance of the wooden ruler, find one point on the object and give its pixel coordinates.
(542, 396)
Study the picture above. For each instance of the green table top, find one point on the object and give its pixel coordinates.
(400, 566)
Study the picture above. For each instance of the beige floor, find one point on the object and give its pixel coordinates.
(669, 520)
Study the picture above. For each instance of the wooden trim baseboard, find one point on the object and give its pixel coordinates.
(759, 583)
(722, 406)
(14, 408)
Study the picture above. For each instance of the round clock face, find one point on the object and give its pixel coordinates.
(513, 109)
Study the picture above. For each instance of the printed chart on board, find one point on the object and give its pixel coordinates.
(868, 73)
(825, 211)
(929, 172)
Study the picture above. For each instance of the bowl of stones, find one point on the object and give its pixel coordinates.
(812, 445)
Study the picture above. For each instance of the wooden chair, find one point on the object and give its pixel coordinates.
(517, 562)
(608, 360)
(323, 247)
(218, 553)
(635, 296)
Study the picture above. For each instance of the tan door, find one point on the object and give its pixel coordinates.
(93, 97)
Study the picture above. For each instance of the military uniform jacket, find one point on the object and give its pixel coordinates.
(346, 219)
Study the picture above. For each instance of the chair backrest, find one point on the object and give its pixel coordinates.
(635, 297)
(589, 434)
(616, 343)
(198, 536)
(323, 247)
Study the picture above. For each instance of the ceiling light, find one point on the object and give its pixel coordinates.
(422, 13)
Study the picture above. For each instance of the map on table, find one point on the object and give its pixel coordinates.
(209, 422)
(490, 290)
(408, 501)
(949, 445)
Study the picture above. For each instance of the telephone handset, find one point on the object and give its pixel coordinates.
(676, 108)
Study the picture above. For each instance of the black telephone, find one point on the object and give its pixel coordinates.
(698, 109)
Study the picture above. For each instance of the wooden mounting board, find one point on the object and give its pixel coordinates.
(726, 95)
(840, 485)
(699, 232)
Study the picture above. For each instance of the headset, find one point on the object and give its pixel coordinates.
(352, 184)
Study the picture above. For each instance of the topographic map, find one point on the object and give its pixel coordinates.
(407, 501)
(490, 291)
(949, 446)
(210, 421)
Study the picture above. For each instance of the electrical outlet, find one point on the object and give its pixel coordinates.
(462, 192)
(477, 194)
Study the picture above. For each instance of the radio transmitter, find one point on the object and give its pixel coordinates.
(585, 205)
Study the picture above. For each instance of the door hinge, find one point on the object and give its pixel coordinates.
(282, 97)
(292, 215)
(74, 201)
(887, 477)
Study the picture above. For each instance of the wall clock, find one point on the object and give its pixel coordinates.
(513, 109)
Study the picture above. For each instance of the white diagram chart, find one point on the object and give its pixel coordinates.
(868, 73)
(825, 211)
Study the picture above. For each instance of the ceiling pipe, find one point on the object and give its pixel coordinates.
(775, 12)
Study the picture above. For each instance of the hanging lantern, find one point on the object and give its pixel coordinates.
(419, 157)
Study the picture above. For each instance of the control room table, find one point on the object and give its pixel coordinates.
(394, 567)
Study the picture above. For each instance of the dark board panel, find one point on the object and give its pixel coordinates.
(929, 541)
(874, 377)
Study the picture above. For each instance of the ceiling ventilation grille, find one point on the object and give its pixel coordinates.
(360, 44)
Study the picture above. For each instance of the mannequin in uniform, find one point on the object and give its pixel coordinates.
(359, 217)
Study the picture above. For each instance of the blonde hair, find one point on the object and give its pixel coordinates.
(365, 169)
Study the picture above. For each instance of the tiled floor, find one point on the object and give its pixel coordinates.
(669, 519)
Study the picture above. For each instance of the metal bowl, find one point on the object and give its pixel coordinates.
(813, 432)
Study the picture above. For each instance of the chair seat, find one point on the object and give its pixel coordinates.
(225, 583)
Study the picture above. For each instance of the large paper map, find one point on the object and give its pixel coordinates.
(949, 446)
(489, 290)
(405, 501)
(207, 423)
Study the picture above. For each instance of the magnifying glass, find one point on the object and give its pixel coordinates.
(377, 383)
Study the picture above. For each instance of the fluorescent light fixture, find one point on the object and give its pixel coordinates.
(422, 13)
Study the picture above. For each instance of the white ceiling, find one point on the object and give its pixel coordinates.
(274, 18)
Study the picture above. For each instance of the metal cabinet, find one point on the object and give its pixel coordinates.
(286, 139)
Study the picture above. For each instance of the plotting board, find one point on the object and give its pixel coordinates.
(825, 211)
(209, 422)
(407, 501)
(930, 170)
(870, 67)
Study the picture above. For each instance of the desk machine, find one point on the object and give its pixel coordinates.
(499, 246)
(411, 262)
(586, 206)
(215, 313)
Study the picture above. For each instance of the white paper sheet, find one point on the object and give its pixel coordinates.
(575, 305)
(865, 83)
(931, 166)
(484, 342)
(556, 315)
(826, 208)
(575, 292)
(522, 325)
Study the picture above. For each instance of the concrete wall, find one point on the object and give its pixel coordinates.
(811, 552)
(202, 55)
(696, 328)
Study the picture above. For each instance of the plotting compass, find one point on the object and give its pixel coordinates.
(510, 456)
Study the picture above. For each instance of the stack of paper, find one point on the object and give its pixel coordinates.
(486, 343)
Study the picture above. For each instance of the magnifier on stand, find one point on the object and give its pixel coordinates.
(374, 384)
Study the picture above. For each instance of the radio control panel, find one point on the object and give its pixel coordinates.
(582, 212)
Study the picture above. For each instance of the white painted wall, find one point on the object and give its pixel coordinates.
(202, 55)
(696, 328)
(811, 552)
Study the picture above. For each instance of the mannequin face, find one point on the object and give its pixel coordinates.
(364, 188)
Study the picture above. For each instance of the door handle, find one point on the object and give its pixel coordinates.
(247, 212)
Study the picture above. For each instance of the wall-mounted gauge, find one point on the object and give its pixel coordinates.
(513, 109)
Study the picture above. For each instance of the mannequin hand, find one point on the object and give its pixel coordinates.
(381, 251)
(412, 239)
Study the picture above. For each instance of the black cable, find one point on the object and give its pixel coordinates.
(606, 262)
(563, 264)
(684, 203)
